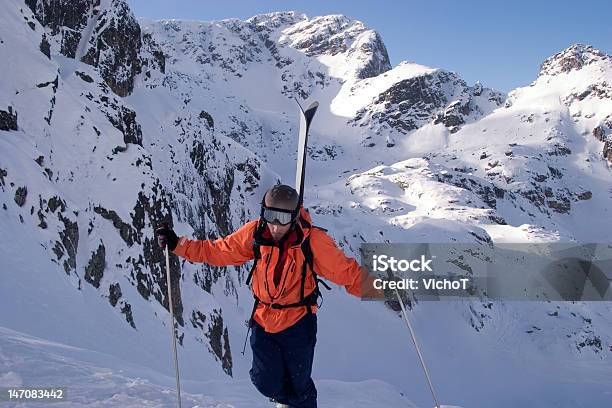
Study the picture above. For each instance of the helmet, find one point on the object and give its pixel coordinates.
(280, 205)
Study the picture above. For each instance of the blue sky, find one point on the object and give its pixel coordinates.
(502, 44)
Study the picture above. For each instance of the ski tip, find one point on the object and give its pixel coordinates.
(310, 112)
(313, 105)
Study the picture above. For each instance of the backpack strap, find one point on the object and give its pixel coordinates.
(257, 253)
(307, 250)
(256, 257)
(308, 301)
(308, 256)
(256, 250)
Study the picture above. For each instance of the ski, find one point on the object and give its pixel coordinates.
(306, 117)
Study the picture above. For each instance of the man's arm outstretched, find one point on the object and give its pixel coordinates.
(331, 263)
(234, 249)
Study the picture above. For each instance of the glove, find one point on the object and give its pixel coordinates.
(166, 236)
(391, 300)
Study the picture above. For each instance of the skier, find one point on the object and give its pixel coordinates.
(289, 254)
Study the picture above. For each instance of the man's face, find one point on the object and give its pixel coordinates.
(278, 231)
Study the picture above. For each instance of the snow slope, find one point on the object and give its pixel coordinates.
(95, 379)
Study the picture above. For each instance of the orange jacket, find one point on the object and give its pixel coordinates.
(237, 248)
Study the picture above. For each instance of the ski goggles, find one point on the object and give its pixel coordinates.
(278, 216)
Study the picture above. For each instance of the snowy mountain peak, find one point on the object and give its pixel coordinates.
(331, 34)
(277, 19)
(337, 34)
(573, 58)
(101, 33)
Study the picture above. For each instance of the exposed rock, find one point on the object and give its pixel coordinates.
(8, 119)
(125, 122)
(154, 210)
(197, 319)
(603, 133)
(45, 47)
(158, 60)
(572, 58)
(64, 23)
(592, 341)
(275, 20)
(414, 101)
(410, 103)
(220, 188)
(114, 48)
(84, 76)
(209, 120)
(544, 197)
(607, 150)
(601, 90)
(115, 298)
(114, 44)
(114, 294)
(559, 150)
(125, 230)
(326, 151)
(20, 195)
(53, 84)
(329, 35)
(489, 193)
(560, 207)
(41, 217)
(540, 178)
(586, 195)
(600, 132)
(68, 244)
(205, 193)
(454, 115)
(227, 353)
(126, 309)
(555, 173)
(377, 61)
(219, 341)
(94, 271)
(55, 202)
(220, 194)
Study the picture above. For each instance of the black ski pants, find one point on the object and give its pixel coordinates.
(282, 363)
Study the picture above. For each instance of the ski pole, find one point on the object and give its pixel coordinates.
(171, 308)
(418, 350)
